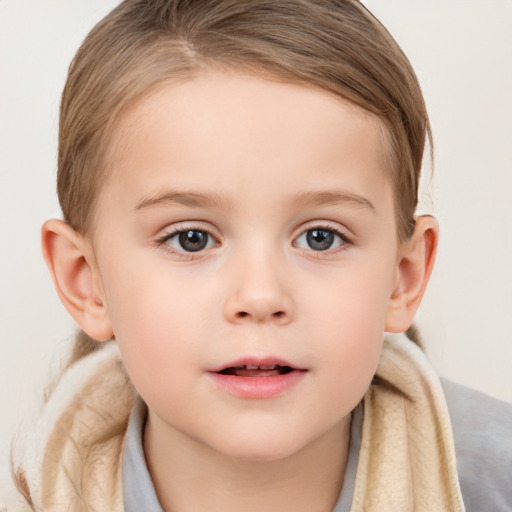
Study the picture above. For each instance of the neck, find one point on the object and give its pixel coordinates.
(190, 477)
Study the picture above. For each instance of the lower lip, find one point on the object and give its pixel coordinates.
(257, 387)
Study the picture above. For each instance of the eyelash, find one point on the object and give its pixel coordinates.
(175, 232)
(343, 238)
(179, 230)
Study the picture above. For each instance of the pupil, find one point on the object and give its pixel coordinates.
(320, 239)
(193, 241)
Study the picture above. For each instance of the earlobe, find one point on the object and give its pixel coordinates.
(415, 265)
(71, 262)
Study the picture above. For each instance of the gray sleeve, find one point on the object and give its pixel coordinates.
(482, 430)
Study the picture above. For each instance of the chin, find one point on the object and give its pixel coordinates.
(262, 453)
(261, 445)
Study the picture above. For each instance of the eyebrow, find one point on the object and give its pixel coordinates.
(328, 198)
(205, 200)
(190, 199)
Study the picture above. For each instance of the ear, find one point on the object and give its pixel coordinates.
(72, 264)
(416, 262)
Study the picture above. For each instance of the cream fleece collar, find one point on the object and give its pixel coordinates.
(407, 456)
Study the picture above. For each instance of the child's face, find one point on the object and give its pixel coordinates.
(248, 221)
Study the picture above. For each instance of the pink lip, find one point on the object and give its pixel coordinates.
(263, 387)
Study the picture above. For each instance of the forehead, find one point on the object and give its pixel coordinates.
(224, 127)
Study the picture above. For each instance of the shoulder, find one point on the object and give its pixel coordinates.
(482, 431)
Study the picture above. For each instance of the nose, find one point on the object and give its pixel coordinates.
(259, 293)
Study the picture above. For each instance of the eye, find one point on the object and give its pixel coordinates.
(320, 239)
(188, 240)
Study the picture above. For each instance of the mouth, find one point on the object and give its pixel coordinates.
(263, 370)
(257, 379)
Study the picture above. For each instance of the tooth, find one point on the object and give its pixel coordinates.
(268, 366)
(250, 367)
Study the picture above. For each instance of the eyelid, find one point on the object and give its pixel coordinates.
(339, 231)
(175, 229)
(336, 227)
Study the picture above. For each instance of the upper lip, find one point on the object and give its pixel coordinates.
(265, 363)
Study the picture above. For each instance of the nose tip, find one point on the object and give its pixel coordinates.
(259, 301)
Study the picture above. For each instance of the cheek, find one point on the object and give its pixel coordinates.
(347, 317)
(154, 325)
(351, 303)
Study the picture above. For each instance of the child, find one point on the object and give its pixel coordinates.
(238, 182)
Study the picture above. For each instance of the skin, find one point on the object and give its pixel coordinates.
(270, 161)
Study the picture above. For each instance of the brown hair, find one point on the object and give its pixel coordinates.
(336, 45)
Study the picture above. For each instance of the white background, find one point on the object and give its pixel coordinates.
(462, 52)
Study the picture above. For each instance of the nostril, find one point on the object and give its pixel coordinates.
(260, 316)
